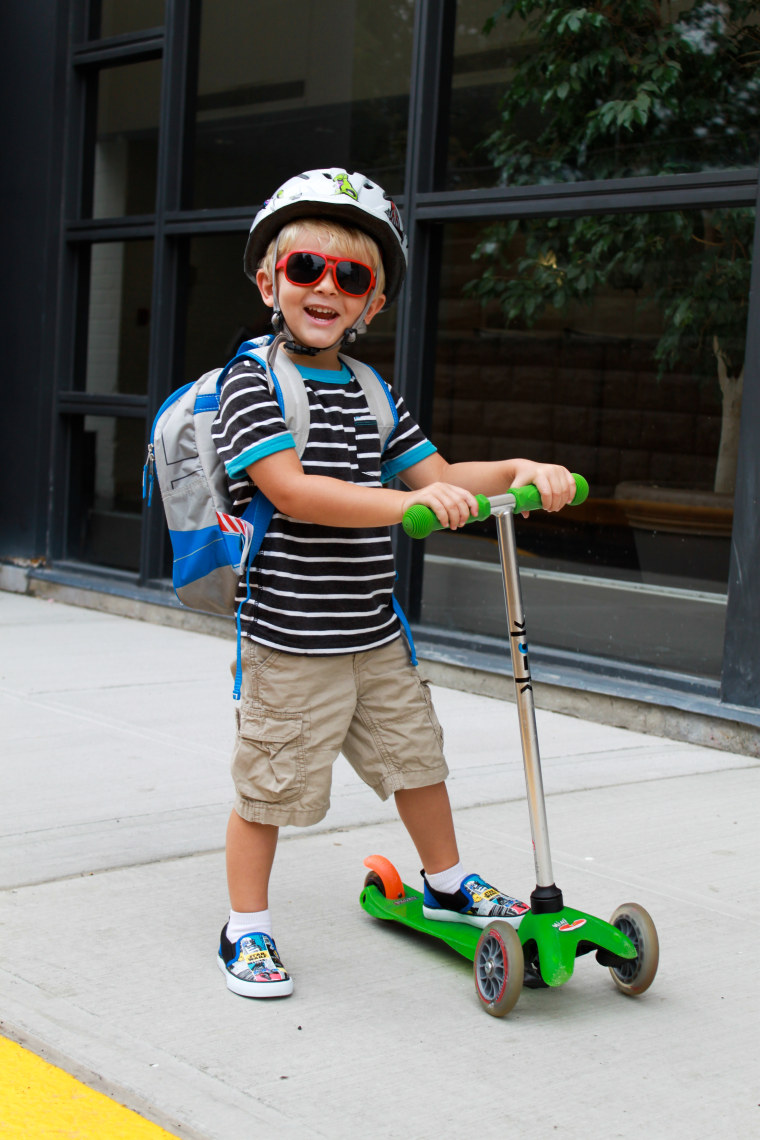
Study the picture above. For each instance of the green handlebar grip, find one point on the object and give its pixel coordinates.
(581, 491)
(419, 521)
(529, 498)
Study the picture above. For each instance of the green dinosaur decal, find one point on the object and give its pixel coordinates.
(344, 186)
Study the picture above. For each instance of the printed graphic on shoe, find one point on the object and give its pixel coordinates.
(476, 903)
(252, 966)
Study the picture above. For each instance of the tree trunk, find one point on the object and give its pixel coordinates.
(728, 448)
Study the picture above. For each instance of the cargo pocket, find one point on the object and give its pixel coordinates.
(425, 686)
(269, 762)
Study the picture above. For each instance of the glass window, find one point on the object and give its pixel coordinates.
(224, 308)
(118, 17)
(615, 346)
(127, 140)
(118, 325)
(107, 454)
(561, 93)
(291, 87)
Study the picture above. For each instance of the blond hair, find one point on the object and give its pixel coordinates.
(336, 238)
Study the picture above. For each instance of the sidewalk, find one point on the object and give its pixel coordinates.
(115, 795)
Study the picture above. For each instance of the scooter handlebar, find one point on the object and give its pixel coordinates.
(419, 521)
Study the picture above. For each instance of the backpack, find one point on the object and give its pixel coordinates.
(211, 547)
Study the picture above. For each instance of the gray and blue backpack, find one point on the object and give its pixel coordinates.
(212, 547)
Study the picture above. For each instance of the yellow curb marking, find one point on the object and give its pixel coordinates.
(40, 1102)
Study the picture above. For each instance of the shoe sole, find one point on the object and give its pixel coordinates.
(481, 921)
(255, 989)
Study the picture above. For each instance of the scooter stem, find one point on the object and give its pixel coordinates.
(547, 898)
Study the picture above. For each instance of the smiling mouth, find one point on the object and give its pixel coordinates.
(317, 313)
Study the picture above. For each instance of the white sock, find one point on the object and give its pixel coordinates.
(248, 922)
(448, 882)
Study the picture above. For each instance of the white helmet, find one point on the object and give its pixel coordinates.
(350, 199)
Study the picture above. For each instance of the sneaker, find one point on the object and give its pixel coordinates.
(475, 903)
(252, 966)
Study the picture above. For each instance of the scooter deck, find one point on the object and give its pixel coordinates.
(408, 911)
(559, 938)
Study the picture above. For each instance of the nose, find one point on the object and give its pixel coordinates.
(326, 283)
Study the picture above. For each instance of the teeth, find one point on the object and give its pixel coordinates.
(321, 312)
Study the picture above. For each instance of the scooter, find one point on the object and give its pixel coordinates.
(551, 936)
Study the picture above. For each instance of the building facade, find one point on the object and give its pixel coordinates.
(580, 190)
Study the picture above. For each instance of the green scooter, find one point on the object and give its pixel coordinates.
(551, 936)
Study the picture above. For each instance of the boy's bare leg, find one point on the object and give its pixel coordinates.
(426, 814)
(250, 854)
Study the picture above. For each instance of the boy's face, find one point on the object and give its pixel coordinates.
(318, 314)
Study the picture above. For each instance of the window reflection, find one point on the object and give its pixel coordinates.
(559, 92)
(223, 306)
(118, 17)
(127, 140)
(107, 454)
(624, 363)
(118, 325)
(334, 76)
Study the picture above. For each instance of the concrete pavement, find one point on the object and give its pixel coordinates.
(115, 794)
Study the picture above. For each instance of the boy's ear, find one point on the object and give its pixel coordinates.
(264, 282)
(374, 308)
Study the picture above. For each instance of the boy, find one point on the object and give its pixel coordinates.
(325, 670)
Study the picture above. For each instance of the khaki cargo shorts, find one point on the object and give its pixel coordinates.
(297, 713)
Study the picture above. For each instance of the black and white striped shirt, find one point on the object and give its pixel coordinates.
(316, 589)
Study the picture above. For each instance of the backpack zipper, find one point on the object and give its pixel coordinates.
(149, 473)
(149, 468)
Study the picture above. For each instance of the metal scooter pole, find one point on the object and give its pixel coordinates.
(546, 898)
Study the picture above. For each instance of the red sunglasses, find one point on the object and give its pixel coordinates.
(304, 267)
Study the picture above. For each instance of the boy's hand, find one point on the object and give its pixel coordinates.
(451, 505)
(555, 483)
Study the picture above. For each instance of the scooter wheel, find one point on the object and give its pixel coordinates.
(636, 975)
(374, 880)
(384, 876)
(498, 968)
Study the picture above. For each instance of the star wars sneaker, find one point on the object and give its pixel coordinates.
(475, 903)
(252, 966)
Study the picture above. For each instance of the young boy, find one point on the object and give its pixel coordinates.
(325, 669)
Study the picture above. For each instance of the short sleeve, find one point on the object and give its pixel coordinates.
(249, 425)
(408, 444)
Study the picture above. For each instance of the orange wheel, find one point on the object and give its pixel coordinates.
(393, 888)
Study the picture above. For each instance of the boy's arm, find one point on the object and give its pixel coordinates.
(555, 483)
(333, 502)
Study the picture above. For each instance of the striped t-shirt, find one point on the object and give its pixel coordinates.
(316, 589)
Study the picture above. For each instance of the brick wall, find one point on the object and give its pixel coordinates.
(593, 403)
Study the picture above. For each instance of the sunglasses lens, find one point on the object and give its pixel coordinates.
(305, 268)
(353, 278)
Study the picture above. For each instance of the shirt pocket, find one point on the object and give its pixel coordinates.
(367, 444)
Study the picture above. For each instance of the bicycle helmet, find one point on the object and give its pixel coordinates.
(349, 199)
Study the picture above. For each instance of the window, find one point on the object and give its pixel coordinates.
(118, 326)
(127, 140)
(118, 17)
(568, 341)
(297, 86)
(565, 93)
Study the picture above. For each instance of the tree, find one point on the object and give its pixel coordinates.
(624, 89)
